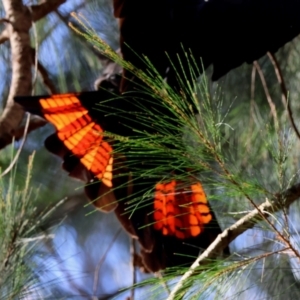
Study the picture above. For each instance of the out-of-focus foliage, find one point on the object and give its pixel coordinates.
(20, 234)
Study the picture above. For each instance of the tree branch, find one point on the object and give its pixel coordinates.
(267, 93)
(284, 92)
(17, 29)
(18, 32)
(232, 232)
(44, 74)
(4, 36)
(65, 20)
(44, 8)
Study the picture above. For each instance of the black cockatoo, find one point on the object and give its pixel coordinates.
(222, 33)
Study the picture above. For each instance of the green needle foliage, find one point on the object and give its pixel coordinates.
(20, 235)
(16, 210)
(242, 157)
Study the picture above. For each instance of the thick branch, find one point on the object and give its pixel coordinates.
(17, 29)
(229, 234)
(44, 8)
(4, 36)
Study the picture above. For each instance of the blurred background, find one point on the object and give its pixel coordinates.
(89, 256)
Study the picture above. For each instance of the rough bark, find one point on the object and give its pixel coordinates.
(19, 19)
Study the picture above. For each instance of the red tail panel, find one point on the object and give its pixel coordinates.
(180, 211)
(79, 133)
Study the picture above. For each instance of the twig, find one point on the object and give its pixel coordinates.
(44, 8)
(253, 76)
(245, 223)
(133, 255)
(252, 104)
(284, 93)
(9, 168)
(44, 75)
(35, 57)
(48, 213)
(99, 264)
(60, 266)
(66, 21)
(163, 282)
(4, 36)
(35, 122)
(10, 249)
(34, 239)
(4, 20)
(269, 98)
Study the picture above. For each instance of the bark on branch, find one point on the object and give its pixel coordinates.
(20, 19)
(44, 8)
(4, 36)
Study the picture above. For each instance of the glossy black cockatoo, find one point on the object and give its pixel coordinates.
(174, 222)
